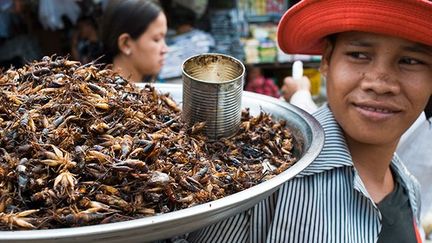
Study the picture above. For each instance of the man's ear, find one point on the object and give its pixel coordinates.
(323, 68)
(326, 56)
(124, 44)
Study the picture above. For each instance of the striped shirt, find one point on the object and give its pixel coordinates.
(326, 202)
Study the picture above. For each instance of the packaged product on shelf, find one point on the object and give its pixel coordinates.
(251, 50)
(267, 51)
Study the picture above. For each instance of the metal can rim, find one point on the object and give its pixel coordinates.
(214, 54)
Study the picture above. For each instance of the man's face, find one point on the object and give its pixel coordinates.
(377, 85)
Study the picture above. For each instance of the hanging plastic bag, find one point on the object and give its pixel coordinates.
(52, 11)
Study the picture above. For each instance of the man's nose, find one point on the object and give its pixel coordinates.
(381, 79)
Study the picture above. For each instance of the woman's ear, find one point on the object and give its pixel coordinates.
(124, 44)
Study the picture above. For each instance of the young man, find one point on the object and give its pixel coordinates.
(377, 60)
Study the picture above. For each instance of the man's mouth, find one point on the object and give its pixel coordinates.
(375, 109)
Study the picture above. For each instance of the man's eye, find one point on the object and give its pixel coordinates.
(357, 55)
(410, 61)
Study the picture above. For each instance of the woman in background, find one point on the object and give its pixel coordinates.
(133, 36)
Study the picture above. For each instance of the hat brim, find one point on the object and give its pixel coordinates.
(303, 27)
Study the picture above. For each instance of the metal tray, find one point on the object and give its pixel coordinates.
(305, 128)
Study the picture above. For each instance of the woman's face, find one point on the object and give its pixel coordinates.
(377, 85)
(149, 49)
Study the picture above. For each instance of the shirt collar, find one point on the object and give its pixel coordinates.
(335, 150)
(335, 154)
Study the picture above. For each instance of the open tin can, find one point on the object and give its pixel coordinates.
(212, 93)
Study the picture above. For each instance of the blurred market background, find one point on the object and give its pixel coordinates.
(245, 29)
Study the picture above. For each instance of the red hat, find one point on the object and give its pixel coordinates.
(304, 26)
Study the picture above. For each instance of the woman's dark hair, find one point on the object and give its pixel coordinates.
(125, 16)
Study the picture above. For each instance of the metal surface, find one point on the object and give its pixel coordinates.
(212, 92)
(305, 128)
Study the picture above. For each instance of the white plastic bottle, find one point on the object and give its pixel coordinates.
(297, 70)
(302, 98)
